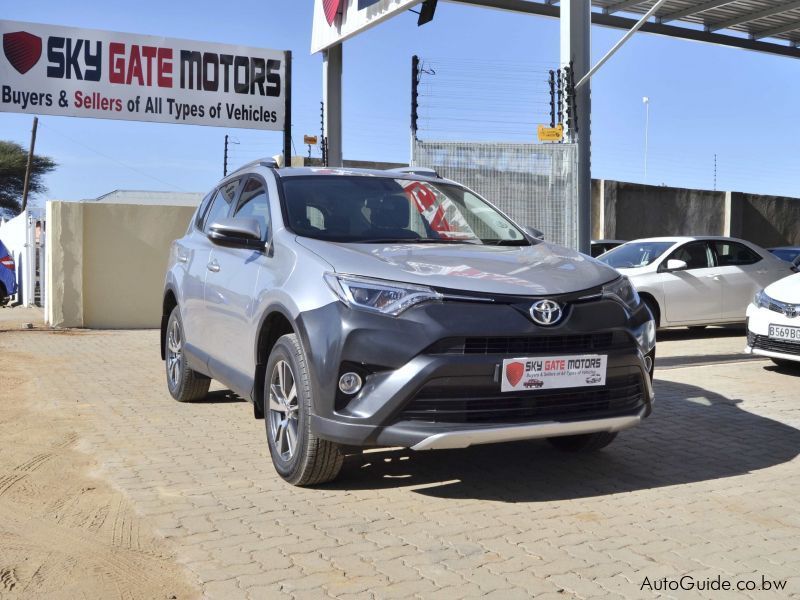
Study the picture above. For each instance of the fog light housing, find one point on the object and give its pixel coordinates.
(350, 383)
(648, 363)
(646, 336)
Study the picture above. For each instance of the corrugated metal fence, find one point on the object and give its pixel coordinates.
(535, 184)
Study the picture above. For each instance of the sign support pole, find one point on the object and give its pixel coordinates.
(287, 123)
(29, 168)
(576, 20)
(332, 62)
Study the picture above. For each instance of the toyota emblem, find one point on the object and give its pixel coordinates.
(546, 312)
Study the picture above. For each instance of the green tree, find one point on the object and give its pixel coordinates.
(13, 162)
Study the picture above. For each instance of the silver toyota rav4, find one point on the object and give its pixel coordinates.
(395, 308)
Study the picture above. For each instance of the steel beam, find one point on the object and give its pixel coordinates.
(332, 62)
(785, 28)
(624, 5)
(753, 16)
(696, 35)
(628, 35)
(576, 45)
(693, 10)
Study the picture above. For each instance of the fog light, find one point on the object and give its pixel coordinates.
(350, 383)
(648, 363)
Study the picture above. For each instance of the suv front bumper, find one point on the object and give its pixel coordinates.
(431, 376)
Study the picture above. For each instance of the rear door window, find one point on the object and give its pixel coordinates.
(731, 254)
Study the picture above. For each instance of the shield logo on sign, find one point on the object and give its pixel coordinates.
(514, 372)
(22, 50)
(331, 8)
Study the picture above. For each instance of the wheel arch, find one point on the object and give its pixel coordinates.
(275, 323)
(650, 299)
(169, 302)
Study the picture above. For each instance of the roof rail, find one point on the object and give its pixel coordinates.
(424, 171)
(270, 163)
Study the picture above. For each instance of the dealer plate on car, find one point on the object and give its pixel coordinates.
(781, 332)
(553, 372)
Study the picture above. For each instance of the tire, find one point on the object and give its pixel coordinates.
(184, 384)
(306, 459)
(588, 442)
(4, 297)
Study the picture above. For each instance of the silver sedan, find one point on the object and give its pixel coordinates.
(696, 281)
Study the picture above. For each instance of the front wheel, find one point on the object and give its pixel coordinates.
(299, 456)
(184, 384)
(588, 442)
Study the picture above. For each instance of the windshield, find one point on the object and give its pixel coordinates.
(364, 209)
(635, 254)
(787, 254)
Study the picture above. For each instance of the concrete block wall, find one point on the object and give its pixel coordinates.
(106, 263)
(629, 211)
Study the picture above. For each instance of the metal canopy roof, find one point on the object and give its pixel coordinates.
(771, 26)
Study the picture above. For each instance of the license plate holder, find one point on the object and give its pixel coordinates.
(553, 372)
(784, 333)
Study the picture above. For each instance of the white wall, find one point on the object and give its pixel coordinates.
(106, 263)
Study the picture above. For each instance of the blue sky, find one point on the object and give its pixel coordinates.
(705, 99)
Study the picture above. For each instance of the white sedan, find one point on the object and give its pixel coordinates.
(773, 322)
(696, 281)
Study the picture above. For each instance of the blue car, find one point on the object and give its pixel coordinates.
(8, 275)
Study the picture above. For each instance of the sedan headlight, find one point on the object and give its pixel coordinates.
(761, 300)
(377, 295)
(622, 290)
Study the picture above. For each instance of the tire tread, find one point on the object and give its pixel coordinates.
(193, 386)
(322, 460)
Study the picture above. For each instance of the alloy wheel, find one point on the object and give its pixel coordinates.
(174, 354)
(283, 410)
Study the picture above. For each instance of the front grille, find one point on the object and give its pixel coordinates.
(529, 344)
(790, 310)
(762, 342)
(449, 400)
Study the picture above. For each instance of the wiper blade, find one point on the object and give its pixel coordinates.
(415, 241)
(383, 241)
(495, 242)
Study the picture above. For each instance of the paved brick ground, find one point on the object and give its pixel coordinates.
(709, 486)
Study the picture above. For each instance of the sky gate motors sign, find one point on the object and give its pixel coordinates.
(47, 69)
(337, 20)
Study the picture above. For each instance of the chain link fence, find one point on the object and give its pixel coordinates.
(535, 184)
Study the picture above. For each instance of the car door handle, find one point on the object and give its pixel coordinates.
(714, 277)
(182, 258)
(213, 266)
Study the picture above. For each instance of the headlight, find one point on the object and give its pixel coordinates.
(761, 300)
(622, 290)
(376, 295)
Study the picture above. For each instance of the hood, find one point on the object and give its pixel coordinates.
(786, 289)
(635, 271)
(543, 269)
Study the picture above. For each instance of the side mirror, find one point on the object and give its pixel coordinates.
(238, 233)
(533, 233)
(676, 265)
